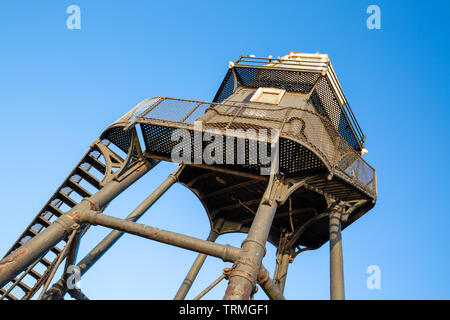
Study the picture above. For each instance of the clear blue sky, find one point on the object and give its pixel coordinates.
(60, 88)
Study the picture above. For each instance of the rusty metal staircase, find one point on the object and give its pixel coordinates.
(84, 180)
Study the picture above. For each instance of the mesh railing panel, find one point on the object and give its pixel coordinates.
(322, 97)
(283, 79)
(327, 105)
(309, 128)
(226, 88)
(138, 110)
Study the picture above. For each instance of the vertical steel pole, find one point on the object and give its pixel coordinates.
(281, 269)
(59, 289)
(337, 290)
(244, 274)
(193, 272)
(36, 247)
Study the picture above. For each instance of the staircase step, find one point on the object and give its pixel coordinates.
(35, 274)
(66, 199)
(43, 221)
(55, 250)
(22, 286)
(45, 262)
(78, 189)
(88, 177)
(96, 163)
(54, 210)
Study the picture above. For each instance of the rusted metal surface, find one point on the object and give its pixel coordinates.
(272, 290)
(48, 238)
(283, 259)
(225, 252)
(60, 288)
(244, 275)
(67, 192)
(14, 257)
(58, 262)
(337, 291)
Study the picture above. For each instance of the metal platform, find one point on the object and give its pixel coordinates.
(310, 147)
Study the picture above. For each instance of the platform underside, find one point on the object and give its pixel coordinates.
(231, 193)
(231, 201)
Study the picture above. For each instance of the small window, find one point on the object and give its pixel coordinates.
(268, 95)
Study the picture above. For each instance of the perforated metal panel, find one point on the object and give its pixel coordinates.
(323, 96)
(226, 88)
(119, 137)
(282, 79)
(328, 106)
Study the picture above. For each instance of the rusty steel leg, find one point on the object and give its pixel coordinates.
(193, 272)
(59, 289)
(281, 269)
(95, 254)
(243, 277)
(225, 252)
(337, 291)
(37, 246)
(268, 285)
(68, 247)
(73, 249)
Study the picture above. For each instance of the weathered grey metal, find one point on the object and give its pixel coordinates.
(70, 259)
(225, 252)
(282, 268)
(72, 252)
(193, 272)
(75, 184)
(243, 277)
(14, 263)
(264, 281)
(7, 291)
(337, 291)
(97, 252)
(20, 259)
(59, 288)
(268, 285)
(60, 259)
(309, 142)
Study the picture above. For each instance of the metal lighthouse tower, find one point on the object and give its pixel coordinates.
(277, 155)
